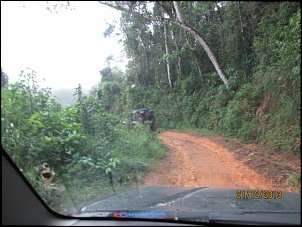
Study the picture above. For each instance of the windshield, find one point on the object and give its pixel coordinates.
(183, 111)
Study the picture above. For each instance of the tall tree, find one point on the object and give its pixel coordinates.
(134, 9)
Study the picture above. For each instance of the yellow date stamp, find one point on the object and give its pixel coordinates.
(258, 194)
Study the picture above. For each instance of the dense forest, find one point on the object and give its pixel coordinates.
(257, 46)
(233, 68)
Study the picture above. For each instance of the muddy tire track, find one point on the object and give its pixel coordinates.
(194, 161)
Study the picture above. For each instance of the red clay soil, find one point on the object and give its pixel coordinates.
(193, 160)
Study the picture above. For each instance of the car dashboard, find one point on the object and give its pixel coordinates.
(21, 205)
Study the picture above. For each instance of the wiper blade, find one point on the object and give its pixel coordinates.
(253, 217)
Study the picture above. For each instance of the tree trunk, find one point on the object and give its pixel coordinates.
(178, 65)
(167, 52)
(202, 43)
(144, 59)
(168, 64)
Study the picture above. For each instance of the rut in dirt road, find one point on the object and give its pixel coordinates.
(195, 161)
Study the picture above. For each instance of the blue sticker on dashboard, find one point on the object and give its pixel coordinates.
(140, 215)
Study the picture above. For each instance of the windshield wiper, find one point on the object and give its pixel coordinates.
(253, 217)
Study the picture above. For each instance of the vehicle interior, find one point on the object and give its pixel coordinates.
(21, 205)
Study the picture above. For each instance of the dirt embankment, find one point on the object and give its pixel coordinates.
(196, 161)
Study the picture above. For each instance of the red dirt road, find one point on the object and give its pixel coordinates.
(196, 161)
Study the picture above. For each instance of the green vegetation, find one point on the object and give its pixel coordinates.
(90, 151)
(93, 154)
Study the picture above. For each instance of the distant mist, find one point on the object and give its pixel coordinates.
(65, 96)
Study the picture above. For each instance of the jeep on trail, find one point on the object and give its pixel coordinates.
(142, 115)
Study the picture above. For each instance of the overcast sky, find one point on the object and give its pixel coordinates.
(65, 48)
